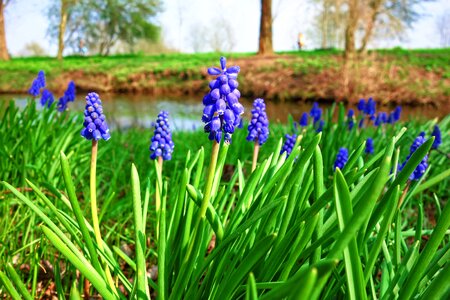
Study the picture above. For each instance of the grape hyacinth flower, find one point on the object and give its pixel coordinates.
(350, 120)
(316, 112)
(361, 105)
(421, 168)
(381, 118)
(161, 142)
(341, 158)
(258, 128)
(37, 85)
(396, 114)
(69, 96)
(95, 126)
(370, 107)
(437, 137)
(320, 127)
(47, 98)
(70, 92)
(222, 112)
(289, 144)
(304, 120)
(369, 146)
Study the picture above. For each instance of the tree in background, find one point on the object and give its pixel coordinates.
(443, 28)
(4, 55)
(356, 22)
(64, 11)
(99, 24)
(265, 28)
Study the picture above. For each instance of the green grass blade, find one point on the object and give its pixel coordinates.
(353, 268)
(18, 282)
(141, 270)
(86, 269)
(9, 286)
(427, 254)
(65, 168)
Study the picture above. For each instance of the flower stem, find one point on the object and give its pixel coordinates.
(95, 223)
(255, 155)
(158, 194)
(210, 179)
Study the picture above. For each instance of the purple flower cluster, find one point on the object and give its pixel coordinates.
(37, 85)
(369, 146)
(161, 142)
(222, 112)
(341, 158)
(95, 126)
(258, 128)
(289, 144)
(394, 116)
(316, 112)
(304, 120)
(69, 96)
(381, 119)
(437, 137)
(370, 107)
(47, 98)
(421, 168)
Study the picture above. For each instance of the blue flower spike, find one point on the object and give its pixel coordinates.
(37, 84)
(161, 143)
(341, 158)
(69, 96)
(304, 120)
(258, 128)
(369, 146)
(47, 98)
(289, 144)
(437, 137)
(222, 112)
(95, 126)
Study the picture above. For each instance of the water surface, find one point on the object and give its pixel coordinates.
(125, 110)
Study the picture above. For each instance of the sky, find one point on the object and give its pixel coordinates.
(195, 25)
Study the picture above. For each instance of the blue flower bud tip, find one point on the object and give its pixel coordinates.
(95, 126)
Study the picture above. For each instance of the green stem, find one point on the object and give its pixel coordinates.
(95, 223)
(209, 181)
(255, 155)
(158, 194)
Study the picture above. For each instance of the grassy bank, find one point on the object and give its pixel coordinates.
(398, 76)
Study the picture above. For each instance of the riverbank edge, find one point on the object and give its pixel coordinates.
(390, 79)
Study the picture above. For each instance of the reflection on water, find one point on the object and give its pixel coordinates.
(127, 111)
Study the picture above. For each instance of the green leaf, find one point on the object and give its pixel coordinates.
(353, 268)
(85, 268)
(141, 269)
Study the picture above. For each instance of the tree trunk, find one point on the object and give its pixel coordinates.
(370, 24)
(4, 55)
(62, 28)
(350, 30)
(265, 29)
